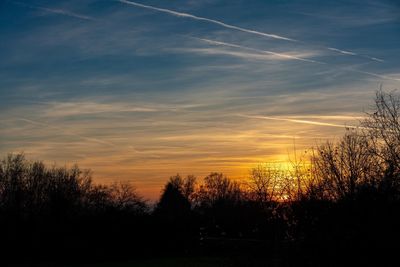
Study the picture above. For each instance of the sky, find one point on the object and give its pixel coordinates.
(139, 91)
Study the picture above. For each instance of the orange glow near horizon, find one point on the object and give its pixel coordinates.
(148, 150)
(234, 156)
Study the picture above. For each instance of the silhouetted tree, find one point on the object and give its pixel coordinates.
(264, 183)
(217, 188)
(123, 197)
(173, 204)
(382, 126)
(43, 210)
(347, 165)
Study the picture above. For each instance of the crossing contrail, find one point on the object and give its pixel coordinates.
(213, 42)
(234, 27)
(95, 140)
(282, 55)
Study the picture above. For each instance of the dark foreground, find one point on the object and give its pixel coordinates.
(166, 262)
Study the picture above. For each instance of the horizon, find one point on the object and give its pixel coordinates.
(142, 90)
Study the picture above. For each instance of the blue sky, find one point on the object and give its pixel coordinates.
(142, 90)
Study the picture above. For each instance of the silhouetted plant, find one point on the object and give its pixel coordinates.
(346, 166)
(217, 188)
(382, 126)
(265, 183)
(173, 202)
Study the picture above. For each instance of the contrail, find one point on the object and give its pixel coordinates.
(257, 50)
(186, 15)
(230, 26)
(377, 75)
(212, 42)
(342, 51)
(56, 11)
(299, 121)
(354, 54)
(99, 141)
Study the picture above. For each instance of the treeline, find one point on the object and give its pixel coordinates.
(52, 212)
(338, 204)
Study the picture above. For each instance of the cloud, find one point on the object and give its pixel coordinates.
(271, 53)
(57, 109)
(385, 77)
(239, 54)
(56, 11)
(329, 117)
(297, 121)
(63, 131)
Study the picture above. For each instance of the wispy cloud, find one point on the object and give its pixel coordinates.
(318, 123)
(278, 55)
(329, 117)
(65, 132)
(385, 77)
(55, 11)
(239, 54)
(57, 109)
(82, 108)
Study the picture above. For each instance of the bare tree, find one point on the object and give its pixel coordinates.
(218, 188)
(124, 197)
(264, 183)
(345, 165)
(383, 128)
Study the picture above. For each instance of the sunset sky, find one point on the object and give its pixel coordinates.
(140, 91)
